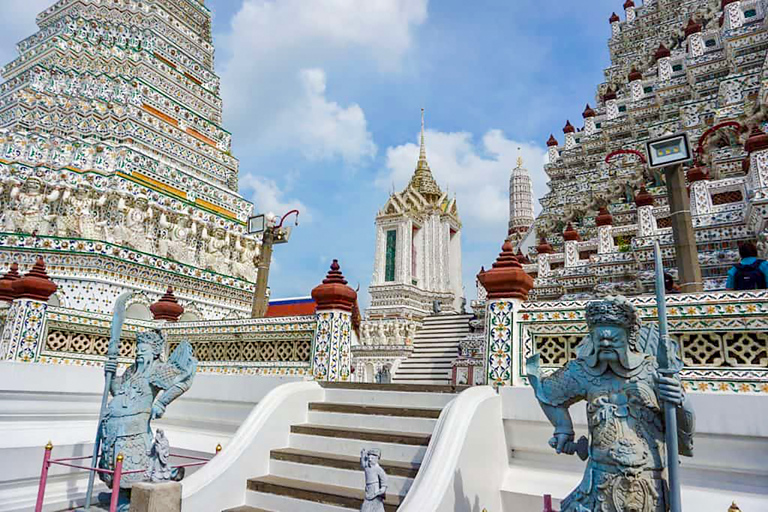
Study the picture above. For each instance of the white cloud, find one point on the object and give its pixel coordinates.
(20, 23)
(477, 173)
(282, 53)
(269, 197)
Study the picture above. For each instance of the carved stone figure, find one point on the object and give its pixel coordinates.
(217, 252)
(160, 454)
(375, 481)
(411, 333)
(616, 373)
(762, 245)
(381, 339)
(178, 244)
(246, 260)
(140, 395)
(366, 333)
(397, 329)
(135, 229)
(28, 203)
(80, 219)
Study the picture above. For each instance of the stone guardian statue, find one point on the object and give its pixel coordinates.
(375, 481)
(616, 372)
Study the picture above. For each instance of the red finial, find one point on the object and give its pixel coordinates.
(36, 284)
(167, 308)
(692, 28)
(552, 141)
(726, 2)
(757, 140)
(507, 279)
(628, 4)
(568, 128)
(570, 234)
(643, 198)
(614, 18)
(635, 75)
(588, 112)
(522, 258)
(662, 52)
(334, 293)
(544, 247)
(604, 217)
(6, 283)
(610, 94)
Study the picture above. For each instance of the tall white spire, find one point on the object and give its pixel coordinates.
(520, 201)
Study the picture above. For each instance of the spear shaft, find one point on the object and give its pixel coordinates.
(668, 370)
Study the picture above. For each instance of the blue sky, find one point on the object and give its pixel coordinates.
(323, 99)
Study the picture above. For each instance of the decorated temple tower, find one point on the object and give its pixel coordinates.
(520, 202)
(114, 165)
(418, 250)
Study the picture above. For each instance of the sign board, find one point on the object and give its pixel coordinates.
(256, 224)
(669, 150)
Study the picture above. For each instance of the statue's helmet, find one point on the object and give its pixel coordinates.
(613, 326)
(154, 339)
(33, 183)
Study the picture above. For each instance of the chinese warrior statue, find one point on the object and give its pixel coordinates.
(617, 374)
(140, 395)
(375, 481)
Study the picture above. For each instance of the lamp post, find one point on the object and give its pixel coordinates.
(670, 152)
(273, 233)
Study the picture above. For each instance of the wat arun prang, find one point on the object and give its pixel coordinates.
(691, 65)
(114, 165)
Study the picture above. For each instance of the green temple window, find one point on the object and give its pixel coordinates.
(389, 273)
(710, 43)
(598, 125)
(622, 108)
(750, 13)
(677, 67)
(648, 89)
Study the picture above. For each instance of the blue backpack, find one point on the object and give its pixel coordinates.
(749, 277)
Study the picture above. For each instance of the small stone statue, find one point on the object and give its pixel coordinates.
(366, 333)
(397, 329)
(28, 213)
(436, 307)
(375, 481)
(135, 231)
(382, 334)
(617, 374)
(159, 455)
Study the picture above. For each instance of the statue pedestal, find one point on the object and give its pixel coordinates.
(156, 497)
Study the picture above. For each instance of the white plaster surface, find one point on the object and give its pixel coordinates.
(41, 403)
(729, 463)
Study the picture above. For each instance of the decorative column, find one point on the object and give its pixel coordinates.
(570, 135)
(544, 249)
(6, 285)
(22, 337)
(615, 22)
(167, 308)
(332, 349)
(733, 17)
(604, 222)
(589, 120)
(629, 9)
(694, 39)
(507, 286)
(646, 222)
(664, 61)
(552, 149)
(572, 239)
(701, 201)
(611, 104)
(636, 84)
(757, 178)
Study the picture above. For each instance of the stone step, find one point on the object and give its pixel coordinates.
(412, 454)
(245, 508)
(408, 388)
(423, 368)
(363, 434)
(352, 478)
(410, 380)
(318, 493)
(281, 503)
(381, 397)
(406, 424)
(409, 412)
(392, 467)
(436, 319)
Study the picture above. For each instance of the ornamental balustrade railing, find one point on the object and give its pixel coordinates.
(264, 346)
(723, 337)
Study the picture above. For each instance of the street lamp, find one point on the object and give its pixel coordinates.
(273, 233)
(670, 152)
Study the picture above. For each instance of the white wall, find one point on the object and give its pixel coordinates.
(41, 403)
(729, 463)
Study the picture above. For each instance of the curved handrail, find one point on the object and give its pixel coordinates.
(439, 464)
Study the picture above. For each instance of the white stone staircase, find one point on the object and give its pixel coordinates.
(319, 470)
(435, 347)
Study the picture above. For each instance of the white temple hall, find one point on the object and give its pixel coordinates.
(139, 373)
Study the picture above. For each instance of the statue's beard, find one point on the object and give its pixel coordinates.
(600, 360)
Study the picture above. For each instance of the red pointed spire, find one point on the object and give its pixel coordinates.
(167, 308)
(604, 217)
(334, 293)
(635, 75)
(552, 141)
(570, 234)
(662, 52)
(544, 247)
(522, 258)
(628, 4)
(35, 284)
(757, 140)
(610, 94)
(6, 283)
(568, 128)
(588, 112)
(643, 198)
(614, 18)
(692, 28)
(507, 279)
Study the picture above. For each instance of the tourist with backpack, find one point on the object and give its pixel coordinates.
(751, 273)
